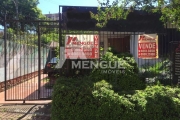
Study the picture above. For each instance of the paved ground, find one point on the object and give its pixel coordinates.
(28, 90)
(25, 112)
(31, 110)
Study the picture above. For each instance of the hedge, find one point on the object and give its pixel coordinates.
(84, 99)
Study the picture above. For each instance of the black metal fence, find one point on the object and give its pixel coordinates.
(25, 49)
(123, 36)
(29, 50)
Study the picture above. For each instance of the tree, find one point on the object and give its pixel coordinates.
(20, 9)
(169, 9)
(107, 11)
(171, 13)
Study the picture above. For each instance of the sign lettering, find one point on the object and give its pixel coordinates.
(148, 46)
(82, 47)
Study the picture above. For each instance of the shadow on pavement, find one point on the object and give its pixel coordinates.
(25, 112)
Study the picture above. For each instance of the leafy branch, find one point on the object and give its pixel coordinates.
(171, 14)
(116, 11)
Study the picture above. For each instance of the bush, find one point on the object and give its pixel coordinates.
(126, 79)
(49, 37)
(72, 99)
(161, 71)
(80, 98)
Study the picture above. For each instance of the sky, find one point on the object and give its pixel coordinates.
(52, 6)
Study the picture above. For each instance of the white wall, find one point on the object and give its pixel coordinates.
(134, 51)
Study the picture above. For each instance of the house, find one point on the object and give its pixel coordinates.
(123, 35)
(54, 16)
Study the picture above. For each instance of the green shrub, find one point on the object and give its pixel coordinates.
(81, 99)
(126, 56)
(49, 37)
(130, 60)
(157, 72)
(127, 79)
(71, 99)
(158, 102)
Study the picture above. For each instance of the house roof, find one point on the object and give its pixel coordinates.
(79, 9)
(137, 20)
(92, 9)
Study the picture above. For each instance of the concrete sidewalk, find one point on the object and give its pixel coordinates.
(25, 112)
(32, 109)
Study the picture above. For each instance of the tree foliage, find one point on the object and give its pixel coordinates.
(20, 9)
(171, 13)
(119, 9)
(107, 11)
(169, 9)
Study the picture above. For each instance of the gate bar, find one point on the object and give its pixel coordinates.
(5, 38)
(39, 62)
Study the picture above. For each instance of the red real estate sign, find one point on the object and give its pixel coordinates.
(82, 47)
(148, 46)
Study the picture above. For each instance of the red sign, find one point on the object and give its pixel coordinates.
(82, 47)
(148, 46)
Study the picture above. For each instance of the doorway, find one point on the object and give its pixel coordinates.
(120, 45)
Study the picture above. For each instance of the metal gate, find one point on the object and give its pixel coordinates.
(26, 54)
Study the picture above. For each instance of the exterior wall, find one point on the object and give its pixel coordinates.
(133, 45)
(54, 16)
